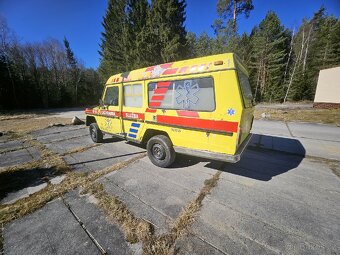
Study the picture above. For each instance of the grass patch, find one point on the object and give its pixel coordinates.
(325, 116)
(39, 199)
(30, 124)
(135, 229)
(165, 244)
(80, 149)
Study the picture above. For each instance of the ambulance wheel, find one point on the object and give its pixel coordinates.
(96, 134)
(160, 151)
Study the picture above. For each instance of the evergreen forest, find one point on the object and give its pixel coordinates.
(283, 63)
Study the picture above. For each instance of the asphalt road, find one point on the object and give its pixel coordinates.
(283, 197)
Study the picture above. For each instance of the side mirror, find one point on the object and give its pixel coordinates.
(101, 103)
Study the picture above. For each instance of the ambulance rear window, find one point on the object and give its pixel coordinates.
(245, 89)
(189, 94)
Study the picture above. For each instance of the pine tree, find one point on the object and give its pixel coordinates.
(112, 50)
(233, 8)
(268, 58)
(167, 30)
(138, 14)
(74, 76)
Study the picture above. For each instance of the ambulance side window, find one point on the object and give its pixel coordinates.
(189, 94)
(111, 96)
(133, 95)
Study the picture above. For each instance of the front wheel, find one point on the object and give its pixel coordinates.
(160, 151)
(96, 134)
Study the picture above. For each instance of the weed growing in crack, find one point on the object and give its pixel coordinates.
(165, 244)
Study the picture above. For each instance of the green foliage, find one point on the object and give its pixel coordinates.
(44, 74)
(283, 64)
(137, 34)
(268, 58)
(232, 8)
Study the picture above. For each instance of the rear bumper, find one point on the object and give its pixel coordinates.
(215, 155)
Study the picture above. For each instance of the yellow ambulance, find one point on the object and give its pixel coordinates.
(201, 107)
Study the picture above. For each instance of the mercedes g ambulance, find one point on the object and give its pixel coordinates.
(201, 107)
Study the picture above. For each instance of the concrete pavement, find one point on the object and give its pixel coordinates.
(281, 198)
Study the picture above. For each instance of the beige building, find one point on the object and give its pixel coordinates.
(327, 93)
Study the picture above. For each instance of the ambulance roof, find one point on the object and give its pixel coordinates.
(190, 66)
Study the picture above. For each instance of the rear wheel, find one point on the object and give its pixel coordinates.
(96, 134)
(160, 151)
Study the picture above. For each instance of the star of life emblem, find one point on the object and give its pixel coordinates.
(186, 94)
(157, 71)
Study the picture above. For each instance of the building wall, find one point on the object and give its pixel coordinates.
(328, 88)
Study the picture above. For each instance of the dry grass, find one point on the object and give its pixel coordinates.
(39, 199)
(48, 158)
(80, 149)
(331, 116)
(18, 116)
(165, 244)
(30, 123)
(135, 229)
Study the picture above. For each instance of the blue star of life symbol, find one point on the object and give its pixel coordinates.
(187, 94)
(231, 111)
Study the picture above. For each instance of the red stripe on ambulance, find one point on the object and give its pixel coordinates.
(188, 113)
(170, 71)
(154, 97)
(151, 110)
(155, 104)
(214, 125)
(160, 91)
(133, 115)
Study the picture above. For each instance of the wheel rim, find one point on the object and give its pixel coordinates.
(158, 151)
(93, 134)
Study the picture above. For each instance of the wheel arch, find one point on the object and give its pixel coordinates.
(149, 133)
(90, 120)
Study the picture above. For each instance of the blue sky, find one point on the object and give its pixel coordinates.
(80, 20)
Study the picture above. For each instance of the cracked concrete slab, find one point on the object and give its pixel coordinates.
(12, 197)
(250, 214)
(155, 194)
(62, 136)
(102, 156)
(50, 230)
(69, 144)
(56, 130)
(11, 145)
(108, 235)
(18, 157)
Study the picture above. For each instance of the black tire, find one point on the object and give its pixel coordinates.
(95, 133)
(160, 151)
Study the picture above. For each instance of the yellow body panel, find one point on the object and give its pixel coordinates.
(230, 114)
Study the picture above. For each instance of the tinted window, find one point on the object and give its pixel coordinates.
(133, 95)
(245, 89)
(111, 96)
(190, 94)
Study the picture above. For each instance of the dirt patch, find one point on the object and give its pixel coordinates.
(31, 123)
(326, 116)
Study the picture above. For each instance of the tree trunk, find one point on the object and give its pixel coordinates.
(289, 55)
(235, 14)
(306, 53)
